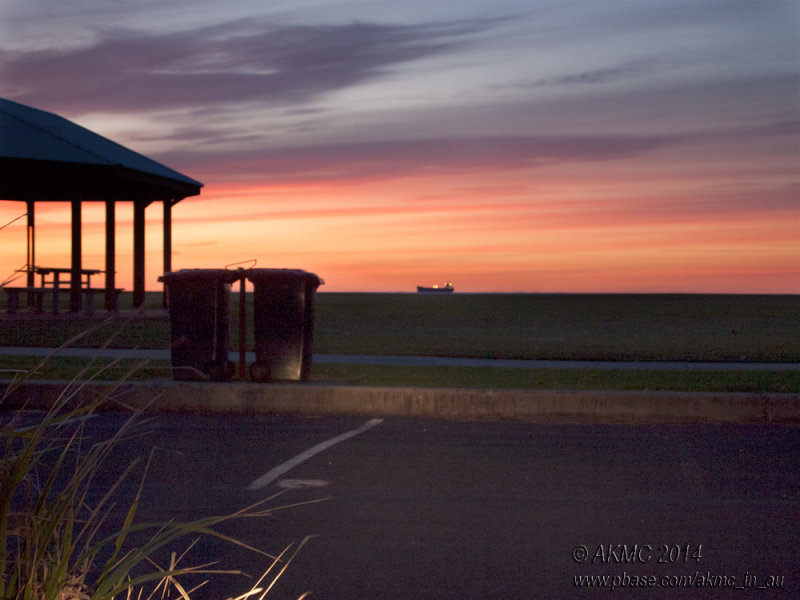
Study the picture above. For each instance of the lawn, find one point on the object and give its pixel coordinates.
(672, 327)
(568, 326)
(530, 326)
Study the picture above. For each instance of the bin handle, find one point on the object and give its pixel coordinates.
(252, 262)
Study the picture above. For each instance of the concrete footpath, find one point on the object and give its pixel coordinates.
(549, 406)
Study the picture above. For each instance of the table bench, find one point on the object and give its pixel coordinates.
(12, 293)
(90, 293)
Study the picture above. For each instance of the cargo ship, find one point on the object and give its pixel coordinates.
(446, 288)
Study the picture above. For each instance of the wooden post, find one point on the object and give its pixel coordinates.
(75, 299)
(31, 255)
(111, 254)
(167, 244)
(138, 252)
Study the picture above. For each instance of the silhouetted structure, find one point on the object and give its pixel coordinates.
(47, 158)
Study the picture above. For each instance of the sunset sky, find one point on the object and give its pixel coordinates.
(512, 145)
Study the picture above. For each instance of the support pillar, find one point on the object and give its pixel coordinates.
(138, 253)
(111, 253)
(167, 243)
(75, 298)
(30, 259)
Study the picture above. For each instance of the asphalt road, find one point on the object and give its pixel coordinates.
(423, 509)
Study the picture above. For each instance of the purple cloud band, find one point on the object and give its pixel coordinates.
(125, 70)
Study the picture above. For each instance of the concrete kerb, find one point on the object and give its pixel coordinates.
(550, 406)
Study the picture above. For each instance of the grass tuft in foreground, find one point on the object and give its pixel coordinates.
(58, 537)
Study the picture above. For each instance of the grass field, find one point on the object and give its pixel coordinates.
(528, 326)
(570, 326)
(524, 326)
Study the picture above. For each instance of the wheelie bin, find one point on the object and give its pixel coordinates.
(283, 320)
(199, 321)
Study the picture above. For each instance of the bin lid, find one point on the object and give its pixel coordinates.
(264, 275)
(225, 275)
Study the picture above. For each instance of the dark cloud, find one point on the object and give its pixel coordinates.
(417, 157)
(452, 155)
(245, 61)
(614, 74)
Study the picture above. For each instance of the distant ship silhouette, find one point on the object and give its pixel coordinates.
(446, 288)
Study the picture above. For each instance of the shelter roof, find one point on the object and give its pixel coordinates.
(76, 161)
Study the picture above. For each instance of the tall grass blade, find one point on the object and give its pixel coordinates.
(52, 519)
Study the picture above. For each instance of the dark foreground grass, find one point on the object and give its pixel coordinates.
(64, 368)
(67, 367)
(49, 332)
(522, 326)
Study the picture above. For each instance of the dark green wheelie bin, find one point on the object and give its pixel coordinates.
(283, 320)
(199, 323)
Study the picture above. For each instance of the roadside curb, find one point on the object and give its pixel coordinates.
(550, 406)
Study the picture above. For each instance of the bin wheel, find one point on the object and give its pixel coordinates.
(260, 371)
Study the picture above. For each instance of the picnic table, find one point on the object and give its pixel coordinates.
(56, 274)
(53, 281)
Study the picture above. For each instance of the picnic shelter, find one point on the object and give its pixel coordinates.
(47, 158)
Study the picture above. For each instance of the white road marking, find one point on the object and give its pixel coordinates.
(272, 475)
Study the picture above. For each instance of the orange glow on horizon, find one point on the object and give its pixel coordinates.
(485, 234)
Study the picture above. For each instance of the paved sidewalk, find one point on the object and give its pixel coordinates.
(431, 361)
